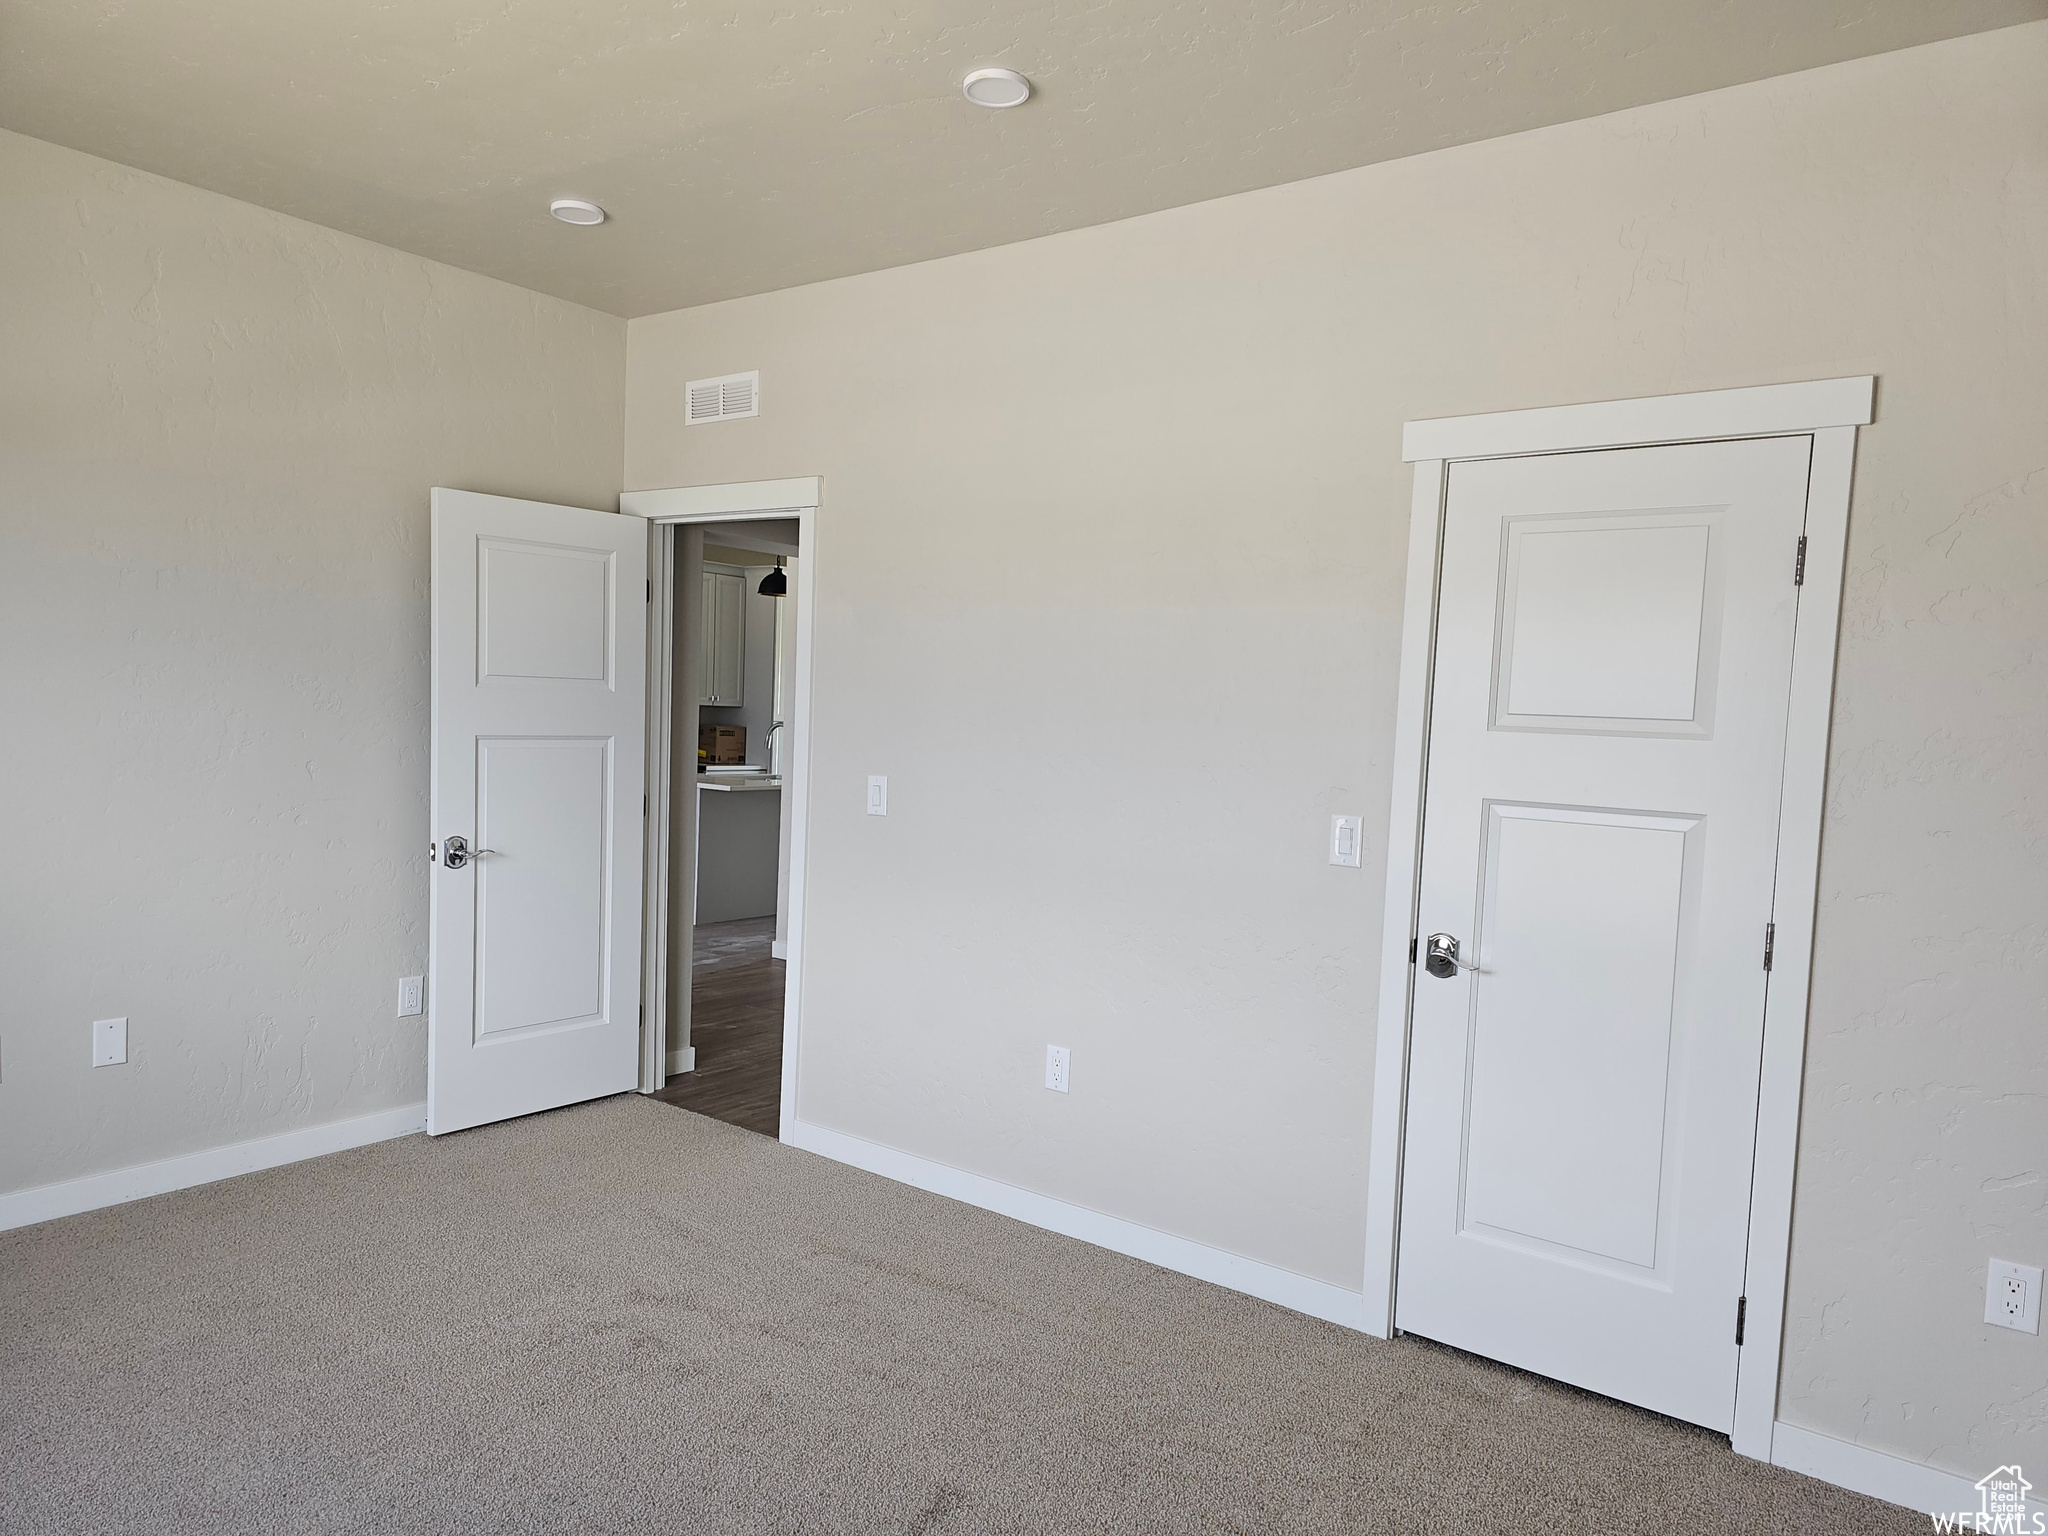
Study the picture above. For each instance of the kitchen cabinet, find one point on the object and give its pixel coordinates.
(724, 647)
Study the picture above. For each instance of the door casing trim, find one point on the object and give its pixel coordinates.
(1828, 410)
(666, 510)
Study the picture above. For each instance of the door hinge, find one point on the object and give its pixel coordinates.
(650, 580)
(1741, 1317)
(643, 805)
(1770, 943)
(1799, 564)
(1411, 951)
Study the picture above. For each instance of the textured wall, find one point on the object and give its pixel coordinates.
(1162, 458)
(218, 427)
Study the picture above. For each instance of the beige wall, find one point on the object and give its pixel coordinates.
(218, 427)
(1163, 458)
(1110, 777)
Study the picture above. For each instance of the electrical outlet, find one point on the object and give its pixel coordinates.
(1056, 1068)
(2012, 1296)
(1346, 833)
(411, 996)
(878, 794)
(109, 1042)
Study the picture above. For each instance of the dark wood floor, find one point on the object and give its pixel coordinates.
(736, 1025)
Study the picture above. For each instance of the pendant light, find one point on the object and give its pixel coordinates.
(774, 584)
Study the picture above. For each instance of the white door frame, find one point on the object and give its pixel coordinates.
(1829, 410)
(665, 511)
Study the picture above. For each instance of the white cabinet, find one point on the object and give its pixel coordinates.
(724, 647)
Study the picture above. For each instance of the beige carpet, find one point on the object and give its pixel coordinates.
(624, 1317)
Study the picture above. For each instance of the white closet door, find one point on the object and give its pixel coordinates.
(1607, 733)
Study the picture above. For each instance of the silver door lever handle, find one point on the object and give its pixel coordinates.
(456, 852)
(1442, 959)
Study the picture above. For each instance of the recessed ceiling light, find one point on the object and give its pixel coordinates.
(996, 88)
(573, 210)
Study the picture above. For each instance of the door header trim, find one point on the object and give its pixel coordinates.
(1762, 411)
(746, 498)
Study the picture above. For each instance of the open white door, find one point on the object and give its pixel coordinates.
(539, 727)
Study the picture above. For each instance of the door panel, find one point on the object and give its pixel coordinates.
(1613, 657)
(539, 726)
(1582, 922)
(727, 616)
(544, 612)
(1606, 623)
(541, 899)
(707, 648)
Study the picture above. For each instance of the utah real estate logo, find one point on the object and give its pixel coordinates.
(2002, 1510)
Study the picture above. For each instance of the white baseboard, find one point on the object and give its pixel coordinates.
(777, 950)
(46, 1202)
(682, 1060)
(1880, 1474)
(1318, 1298)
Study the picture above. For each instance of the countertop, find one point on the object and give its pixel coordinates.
(741, 782)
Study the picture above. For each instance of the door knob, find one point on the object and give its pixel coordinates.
(456, 852)
(1442, 959)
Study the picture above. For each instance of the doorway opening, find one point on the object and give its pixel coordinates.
(700, 653)
(731, 614)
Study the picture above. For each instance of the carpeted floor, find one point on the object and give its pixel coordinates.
(626, 1317)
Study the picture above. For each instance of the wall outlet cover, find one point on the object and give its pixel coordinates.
(2012, 1296)
(109, 1042)
(411, 996)
(878, 794)
(1056, 1068)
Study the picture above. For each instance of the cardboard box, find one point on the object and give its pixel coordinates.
(721, 746)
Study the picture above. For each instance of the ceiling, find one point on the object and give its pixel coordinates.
(745, 146)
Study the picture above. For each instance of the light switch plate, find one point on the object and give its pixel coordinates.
(878, 794)
(2012, 1296)
(1056, 1068)
(411, 996)
(1346, 833)
(109, 1042)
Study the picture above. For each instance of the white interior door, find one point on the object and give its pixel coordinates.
(1606, 746)
(539, 726)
